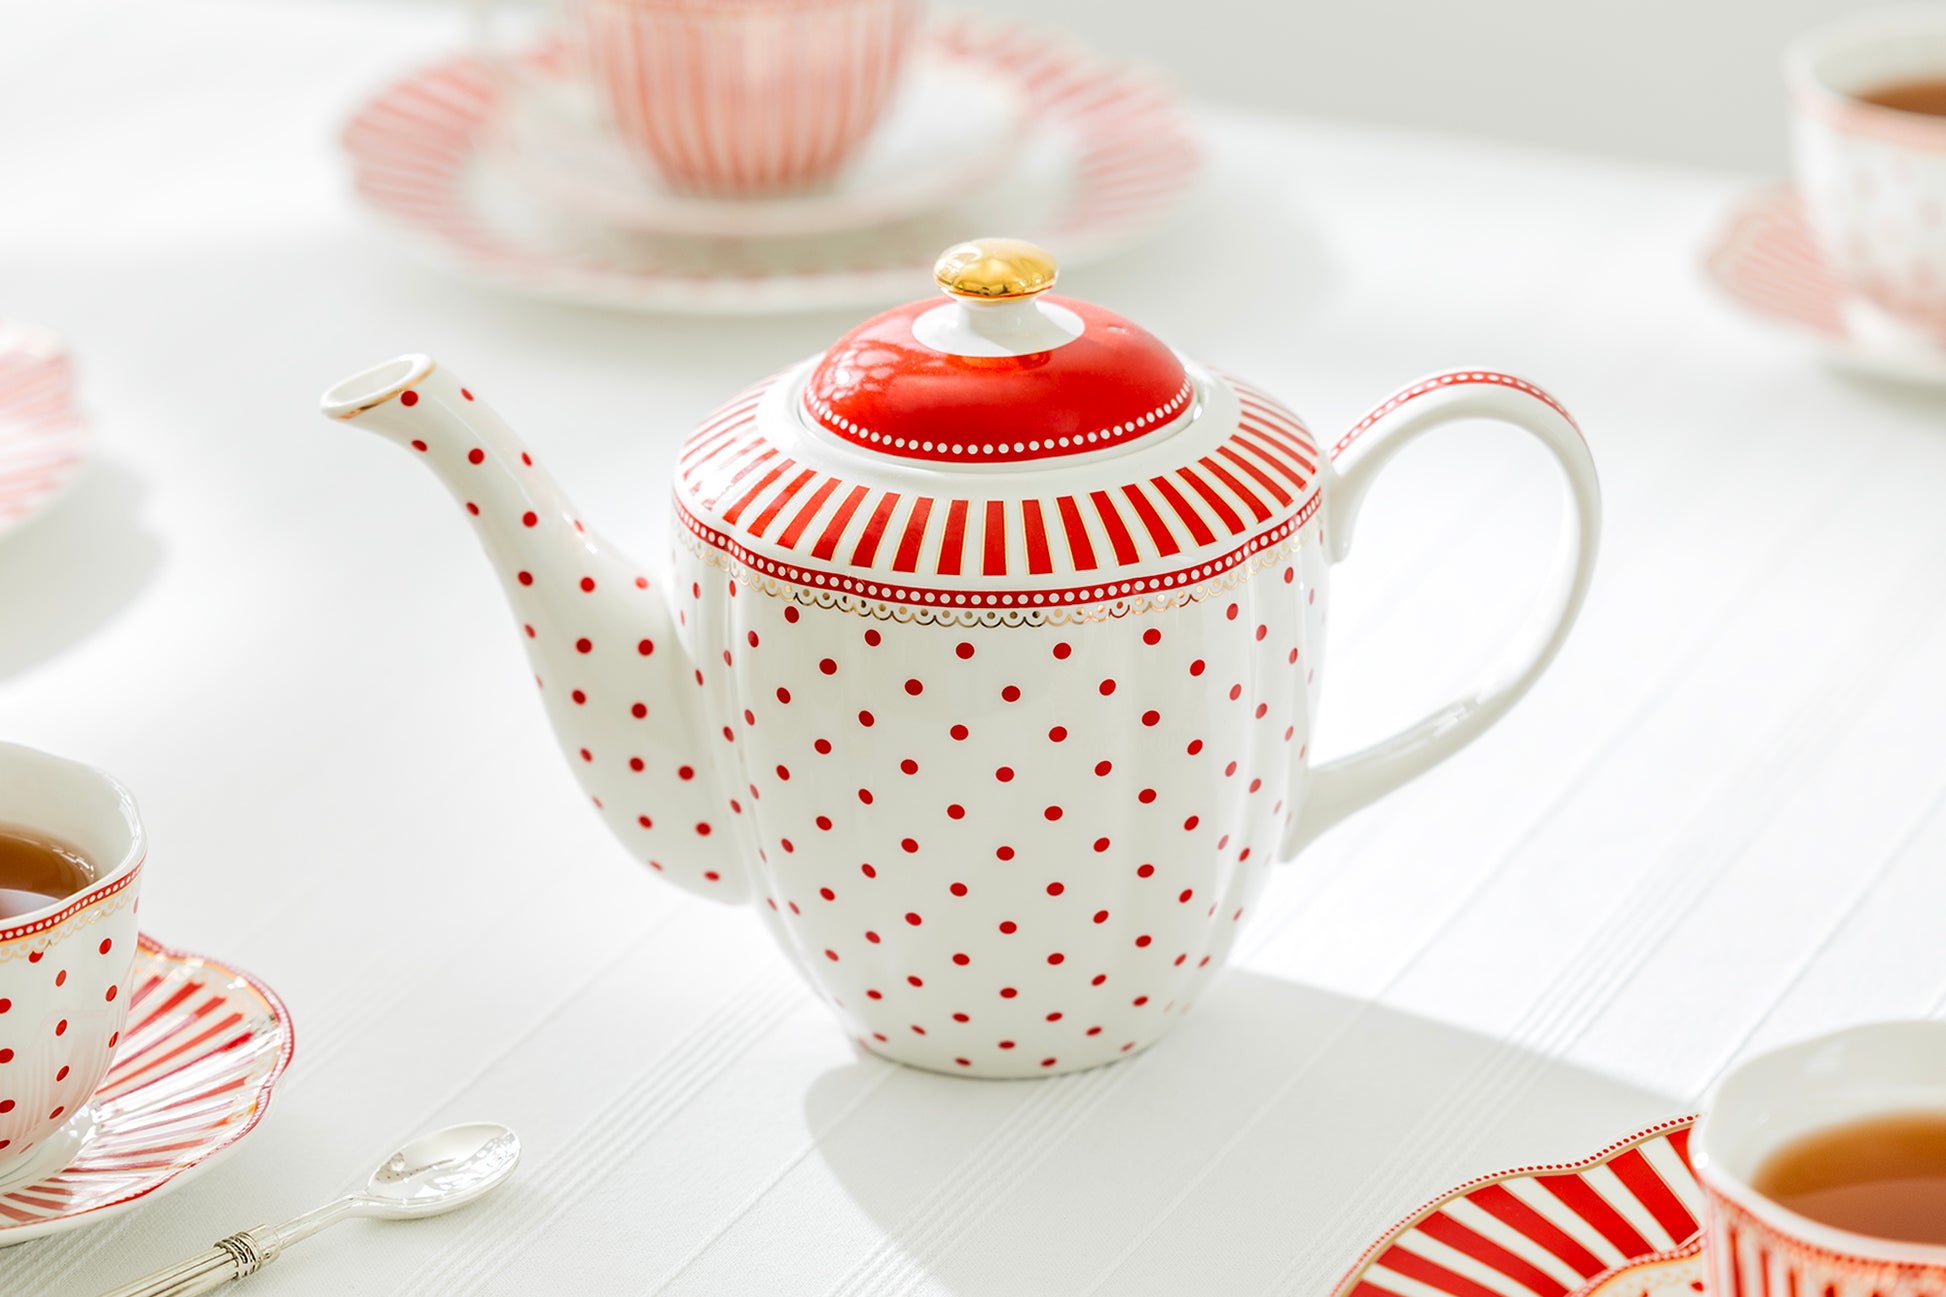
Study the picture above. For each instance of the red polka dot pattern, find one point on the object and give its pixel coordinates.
(61, 1008)
(839, 759)
(983, 871)
(598, 634)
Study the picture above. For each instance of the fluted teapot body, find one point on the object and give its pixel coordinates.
(985, 663)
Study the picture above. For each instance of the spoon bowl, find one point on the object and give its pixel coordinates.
(438, 1172)
(428, 1177)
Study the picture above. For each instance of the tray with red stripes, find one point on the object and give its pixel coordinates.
(202, 1050)
(1623, 1223)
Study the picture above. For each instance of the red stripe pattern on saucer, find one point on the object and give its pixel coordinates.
(1545, 1231)
(1770, 261)
(41, 434)
(203, 1047)
(414, 151)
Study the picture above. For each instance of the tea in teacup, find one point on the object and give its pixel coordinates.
(1883, 1175)
(1916, 95)
(1823, 1166)
(37, 869)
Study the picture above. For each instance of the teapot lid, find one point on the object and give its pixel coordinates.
(1001, 454)
(1001, 372)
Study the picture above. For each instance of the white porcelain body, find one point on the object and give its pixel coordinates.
(1757, 1246)
(1015, 848)
(1873, 179)
(1006, 824)
(64, 992)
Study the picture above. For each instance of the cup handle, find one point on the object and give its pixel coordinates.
(1340, 787)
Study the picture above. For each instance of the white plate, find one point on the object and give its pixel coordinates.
(950, 126)
(1103, 156)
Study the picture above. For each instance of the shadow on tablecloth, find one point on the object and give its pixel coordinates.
(1260, 1148)
(69, 571)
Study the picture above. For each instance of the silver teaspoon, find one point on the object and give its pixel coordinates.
(433, 1174)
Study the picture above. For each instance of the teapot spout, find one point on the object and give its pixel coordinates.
(612, 668)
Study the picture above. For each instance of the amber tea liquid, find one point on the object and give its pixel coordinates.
(37, 870)
(1925, 95)
(1884, 1176)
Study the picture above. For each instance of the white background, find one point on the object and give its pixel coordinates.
(1678, 80)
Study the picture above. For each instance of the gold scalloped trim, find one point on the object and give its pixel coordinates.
(114, 903)
(917, 615)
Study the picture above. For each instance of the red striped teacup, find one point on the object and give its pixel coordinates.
(1759, 1248)
(744, 98)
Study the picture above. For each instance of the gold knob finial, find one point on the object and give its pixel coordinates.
(994, 269)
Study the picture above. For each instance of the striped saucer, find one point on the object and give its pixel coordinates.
(1767, 260)
(42, 435)
(202, 1050)
(1623, 1223)
(1106, 153)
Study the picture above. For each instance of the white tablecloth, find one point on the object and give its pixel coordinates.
(1716, 824)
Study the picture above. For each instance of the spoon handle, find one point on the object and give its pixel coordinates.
(238, 1255)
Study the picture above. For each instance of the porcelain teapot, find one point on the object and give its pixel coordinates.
(986, 659)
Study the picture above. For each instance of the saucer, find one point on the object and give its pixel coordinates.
(199, 1056)
(1675, 1274)
(42, 436)
(952, 124)
(1624, 1223)
(1103, 154)
(1768, 261)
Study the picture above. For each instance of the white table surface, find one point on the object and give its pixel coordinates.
(1716, 825)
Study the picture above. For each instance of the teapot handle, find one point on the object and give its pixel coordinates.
(1340, 787)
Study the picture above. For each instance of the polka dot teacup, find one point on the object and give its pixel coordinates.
(64, 968)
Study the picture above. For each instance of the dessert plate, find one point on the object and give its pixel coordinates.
(202, 1050)
(1768, 261)
(952, 125)
(42, 437)
(1623, 1223)
(1103, 154)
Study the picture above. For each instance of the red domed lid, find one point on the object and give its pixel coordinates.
(999, 372)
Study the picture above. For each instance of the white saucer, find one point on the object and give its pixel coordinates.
(42, 436)
(1768, 261)
(948, 129)
(1103, 156)
(198, 1058)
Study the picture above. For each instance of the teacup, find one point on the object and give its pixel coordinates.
(744, 98)
(64, 968)
(1873, 178)
(1758, 1246)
